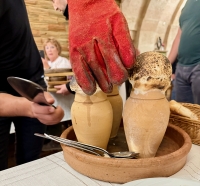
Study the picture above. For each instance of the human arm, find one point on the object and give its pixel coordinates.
(64, 89)
(174, 50)
(11, 106)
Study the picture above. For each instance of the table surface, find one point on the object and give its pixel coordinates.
(54, 171)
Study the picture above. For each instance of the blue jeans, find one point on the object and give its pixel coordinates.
(173, 93)
(187, 83)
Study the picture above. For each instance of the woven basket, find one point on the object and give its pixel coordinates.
(192, 127)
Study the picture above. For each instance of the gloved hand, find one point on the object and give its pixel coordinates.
(101, 49)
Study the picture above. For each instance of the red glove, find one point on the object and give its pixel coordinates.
(101, 49)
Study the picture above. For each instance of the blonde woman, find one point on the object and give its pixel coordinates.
(53, 60)
(52, 51)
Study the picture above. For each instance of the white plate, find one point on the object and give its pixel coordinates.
(163, 182)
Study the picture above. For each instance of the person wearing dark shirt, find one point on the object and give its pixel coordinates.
(173, 93)
(186, 48)
(20, 57)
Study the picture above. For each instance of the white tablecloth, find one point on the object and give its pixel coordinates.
(49, 171)
(54, 171)
(64, 101)
(191, 170)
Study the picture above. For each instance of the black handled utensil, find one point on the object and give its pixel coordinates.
(28, 89)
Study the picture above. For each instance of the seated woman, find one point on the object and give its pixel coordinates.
(52, 51)
(53, 60)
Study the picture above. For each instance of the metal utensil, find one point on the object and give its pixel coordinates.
(68, 144)
(87, 147)
(124, 154)
(28, 89)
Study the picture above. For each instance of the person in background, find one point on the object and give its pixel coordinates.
(173, 93)
(52, 51)
(19, 57)
(53, 60)
(186, 49)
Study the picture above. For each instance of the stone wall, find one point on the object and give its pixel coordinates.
(150, 19)
(147, 20)
(46, 22)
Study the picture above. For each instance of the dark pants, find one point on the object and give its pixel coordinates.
(173, 93)
(187, 82)
(28, 146)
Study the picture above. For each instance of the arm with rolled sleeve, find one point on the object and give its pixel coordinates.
(174, 50)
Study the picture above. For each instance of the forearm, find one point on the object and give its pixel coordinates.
(174, 50)
(14, 106)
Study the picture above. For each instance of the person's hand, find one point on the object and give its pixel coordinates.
(45, 63)
(101, 48)
(173, 77)
(62, 89)
(47, 114)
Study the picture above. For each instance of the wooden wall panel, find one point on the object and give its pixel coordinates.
(46, 22)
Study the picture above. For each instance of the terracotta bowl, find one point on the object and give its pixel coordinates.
(170, 158)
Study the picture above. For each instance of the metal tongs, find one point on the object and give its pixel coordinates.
(89, 148)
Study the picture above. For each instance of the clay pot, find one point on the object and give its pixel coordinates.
(117, 107)
(145, 121)
(92, 118)
(146, 112)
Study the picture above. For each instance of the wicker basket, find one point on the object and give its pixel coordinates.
(192, 127)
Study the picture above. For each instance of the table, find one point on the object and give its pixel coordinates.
(54, 171)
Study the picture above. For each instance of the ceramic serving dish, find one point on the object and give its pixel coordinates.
(170, 158)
